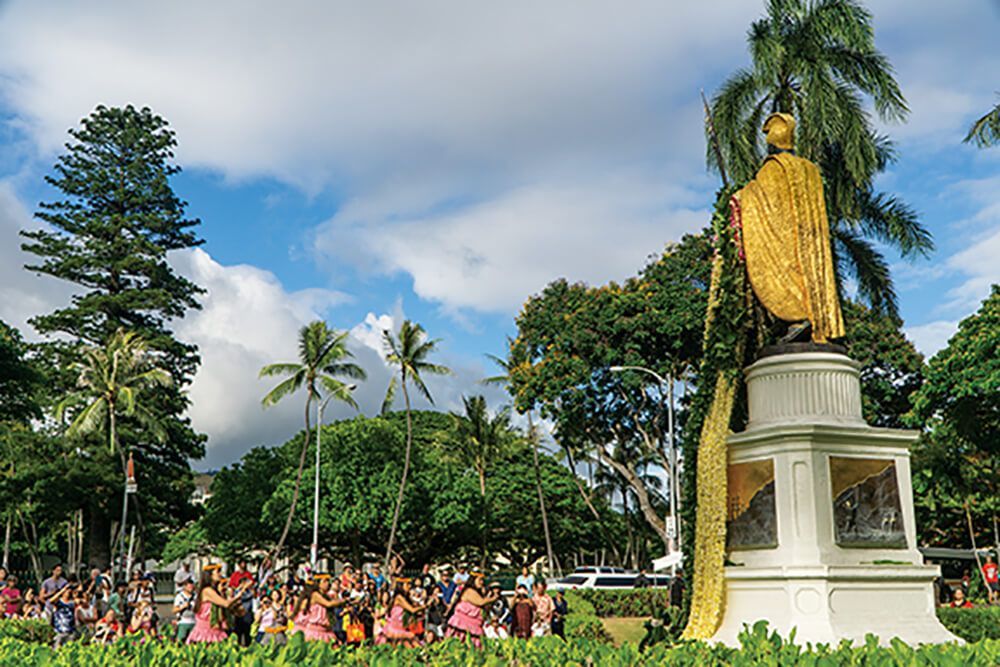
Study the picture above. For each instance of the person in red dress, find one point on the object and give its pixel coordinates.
(396, 630)
(466, 621)
(312, 610)
(210, 603)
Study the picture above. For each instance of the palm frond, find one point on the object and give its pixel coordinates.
(284, 388)
(390, 396)
(280, 369)
(985, 131)
(857, 257)
(891, 221)
(89, 419)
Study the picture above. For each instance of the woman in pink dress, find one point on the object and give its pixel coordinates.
(395, 631)
(466, 621)
(206, 629)
(311, 611)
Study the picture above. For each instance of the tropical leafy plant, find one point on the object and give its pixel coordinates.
(409, 351)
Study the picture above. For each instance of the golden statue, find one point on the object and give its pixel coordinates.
(781, 217)
(786, 237)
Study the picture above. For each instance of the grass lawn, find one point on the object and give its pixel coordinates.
(625, 629)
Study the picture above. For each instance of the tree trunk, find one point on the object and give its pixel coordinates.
(298, 484)
(589, 503)
(6, 545)
(641, 494)
(551, 559)
(485, 516)
(402, 480)
(975, 550)
(630, 537)
(31, 538)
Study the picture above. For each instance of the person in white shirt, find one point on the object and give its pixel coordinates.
(184, 609)
(181, 575)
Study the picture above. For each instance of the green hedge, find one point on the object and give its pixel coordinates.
(972, 625)
(26, 630)
(583, 621)
(759, 648)
(634, 602)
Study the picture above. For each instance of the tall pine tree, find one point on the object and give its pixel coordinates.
(110, 232)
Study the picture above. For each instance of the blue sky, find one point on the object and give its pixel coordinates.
(442, 161)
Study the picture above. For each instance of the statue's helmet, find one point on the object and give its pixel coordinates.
(780, 130)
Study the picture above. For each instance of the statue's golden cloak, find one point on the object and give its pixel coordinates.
(786, 240)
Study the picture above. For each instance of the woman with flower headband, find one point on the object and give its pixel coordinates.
(466, 621)
(312, 610)
(395, 630)
(209, 607)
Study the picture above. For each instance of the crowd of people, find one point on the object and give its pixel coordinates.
(362, 605)
(354, 606)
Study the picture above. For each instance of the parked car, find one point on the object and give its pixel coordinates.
(607, 577)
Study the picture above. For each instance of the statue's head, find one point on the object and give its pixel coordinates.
(780, 130)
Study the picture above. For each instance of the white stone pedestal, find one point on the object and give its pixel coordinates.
(829, 574)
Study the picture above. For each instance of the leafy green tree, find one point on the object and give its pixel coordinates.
(323, 356)
(233, 520)
(409, 351)
(511, 493)
(504, 379)
(477, 440)
(985, 131)
(115, 380)
(817, 60)
(109, 232)
(957, 461)
(19, 380)
(570, 337)
(891, 367)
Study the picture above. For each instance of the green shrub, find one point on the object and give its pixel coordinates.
(759, 648)
(27, 630)
(972, 625)
(583, 622)
(633, 602)
(665, 626)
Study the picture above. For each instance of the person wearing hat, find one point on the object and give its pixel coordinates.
(184, 609)
(466, 621)
(347, 578)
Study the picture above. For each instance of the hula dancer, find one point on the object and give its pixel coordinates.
(395, 631)
(467, 620)
(209, 622)
(312, 610)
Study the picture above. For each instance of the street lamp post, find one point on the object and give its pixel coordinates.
(314, 549)
(666, 386)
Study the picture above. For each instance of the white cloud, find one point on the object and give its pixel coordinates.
(931, 337)
(490, 255)
(22, 294)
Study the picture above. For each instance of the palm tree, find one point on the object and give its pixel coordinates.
(111, 381)
(478, 440)
(985, 131)
(323, 356)
(507, 365)
(114, 380)
(408, 351)
(816, 60)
